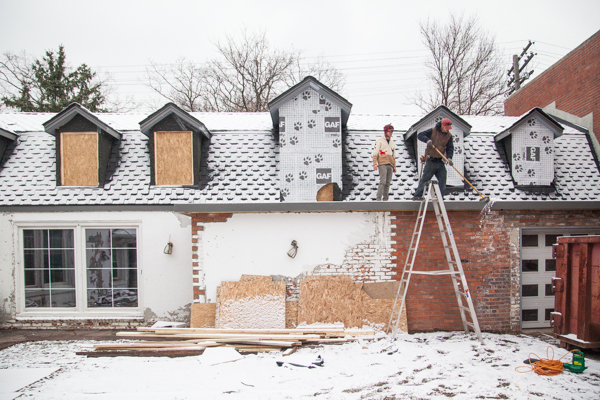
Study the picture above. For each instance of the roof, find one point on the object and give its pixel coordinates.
(68, 113)
(546, 119)
(246, 176)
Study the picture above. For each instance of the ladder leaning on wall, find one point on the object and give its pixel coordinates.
(455, 269)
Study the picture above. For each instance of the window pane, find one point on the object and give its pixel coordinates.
(37, 298)
(548, 313)
(551, 239)
(62, 259)
(62, 278)
(125, 278)
(37, 278)
(123, 238)
(548, 290)
(99, 278)
(529, 315)
(99, 298)
(529, 265)
(530, 240)
(125, 298)
(61, 238)
(125, 258)
(35, 239)
(530, 290)
(551, 265)
(98, 258)
(35, 259)
(96, 238)
(62, 297)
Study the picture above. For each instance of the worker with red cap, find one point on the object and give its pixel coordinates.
(384, 160)
(440, 138)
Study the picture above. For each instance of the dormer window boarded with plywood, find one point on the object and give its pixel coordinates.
(175, 140)
(83, 147)
(460, 130)
(529, 146)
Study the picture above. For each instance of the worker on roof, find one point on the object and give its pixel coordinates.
(384, 160)
(439, 142)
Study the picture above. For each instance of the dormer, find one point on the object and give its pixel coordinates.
(460, 130)
(83, 146)
(310, 119)
(175, 140)
(529, 147)
(6, 137)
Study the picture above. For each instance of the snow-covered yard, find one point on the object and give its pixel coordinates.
(419, 366)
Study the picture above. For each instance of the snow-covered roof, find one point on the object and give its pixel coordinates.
(248, 172)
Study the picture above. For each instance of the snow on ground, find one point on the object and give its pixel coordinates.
(419, 366)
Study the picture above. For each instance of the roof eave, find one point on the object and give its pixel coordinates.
(8, 134)
(68, 113)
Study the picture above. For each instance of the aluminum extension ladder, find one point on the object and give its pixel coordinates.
(455, 269)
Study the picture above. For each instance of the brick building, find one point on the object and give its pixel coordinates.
(117, 220)
(569, 89)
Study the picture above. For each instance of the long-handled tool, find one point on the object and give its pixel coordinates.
(483, 198)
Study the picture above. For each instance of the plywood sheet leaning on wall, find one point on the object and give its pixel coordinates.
(337, 298)
(203, 315)
(291, 314)
(254, 302)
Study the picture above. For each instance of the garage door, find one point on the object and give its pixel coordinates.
(537, 270)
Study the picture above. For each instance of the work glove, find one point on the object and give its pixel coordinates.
(450, 162)
(429, 144)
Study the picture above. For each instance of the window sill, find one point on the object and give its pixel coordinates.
(45, 316)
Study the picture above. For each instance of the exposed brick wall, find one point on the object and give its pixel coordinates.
(573, 82)
(488, 245)
(198, 221)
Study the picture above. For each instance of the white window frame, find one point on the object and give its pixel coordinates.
(81, 311)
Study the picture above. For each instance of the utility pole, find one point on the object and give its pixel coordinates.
(515, 81)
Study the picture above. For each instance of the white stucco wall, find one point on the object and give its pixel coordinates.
(257, 244)
(165, 281)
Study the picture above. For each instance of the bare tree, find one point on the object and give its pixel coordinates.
(465, 68)
(247, 75)
(182, 83)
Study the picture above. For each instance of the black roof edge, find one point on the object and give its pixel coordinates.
(8, 134)
(552, 119)
(69, 112)
(324, 206)
(344, 104)
(412, 130)
(165, 111)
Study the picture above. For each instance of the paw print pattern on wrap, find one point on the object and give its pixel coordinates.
(548, 150)
(531, 173)
(519, 168)
(337, 143)
(289, 177)
(546, 140)
(285, 193)
(312, 123)
(531, 122)
(316, 111)
(306, 94)
(318, 158)
(302, 175)
(533, 134)
(294, 140)
(307, 160)
(297, 125)
(439, 118)
(282, 142)
(328, 106)
(517, 157)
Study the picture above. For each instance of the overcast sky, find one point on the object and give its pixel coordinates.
(375, 43)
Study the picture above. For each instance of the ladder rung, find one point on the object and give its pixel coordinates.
(438, 272)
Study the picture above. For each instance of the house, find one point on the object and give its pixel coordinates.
(117, 220)
(569, 89)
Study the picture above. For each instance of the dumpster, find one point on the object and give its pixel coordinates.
(576, 286)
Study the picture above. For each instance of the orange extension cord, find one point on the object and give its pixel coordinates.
(546, 366)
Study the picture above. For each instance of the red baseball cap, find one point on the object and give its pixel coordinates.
(446, 121)
(388, 127)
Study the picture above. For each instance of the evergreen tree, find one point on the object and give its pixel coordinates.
(49, 86)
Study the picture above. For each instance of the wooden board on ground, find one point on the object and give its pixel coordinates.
(202, 315)
(253, 303)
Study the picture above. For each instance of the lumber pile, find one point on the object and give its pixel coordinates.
(180, 342)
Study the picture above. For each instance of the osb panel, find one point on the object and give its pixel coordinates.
(256, 303)
(251, 278)
(173, 158)
(79, 158)
(291, 314)
(381, 290)
(334, 299)
(203, 315)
